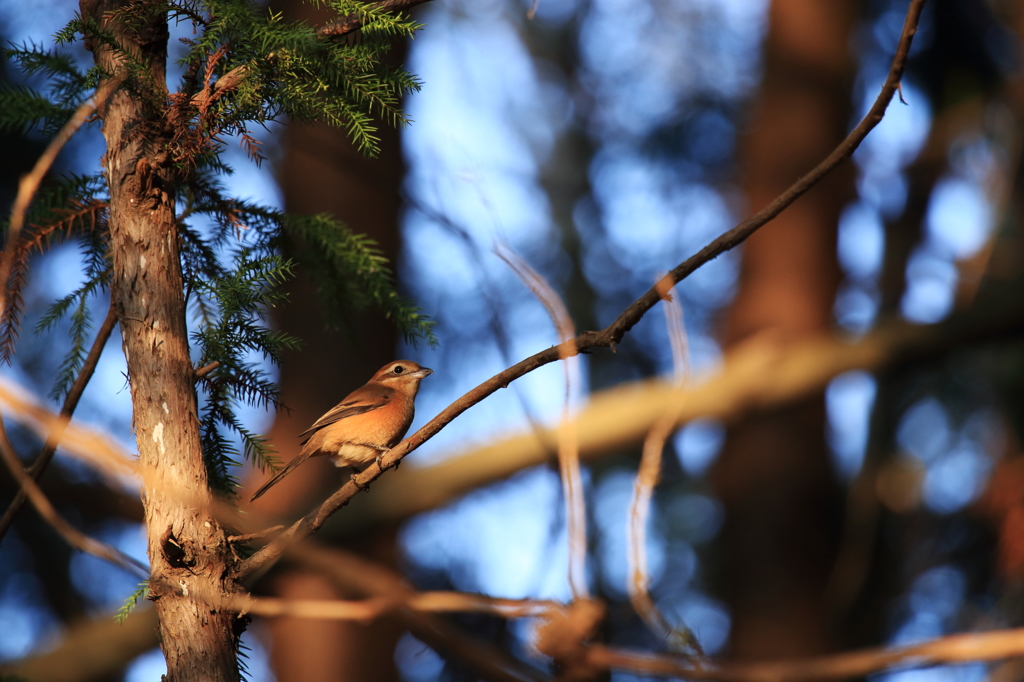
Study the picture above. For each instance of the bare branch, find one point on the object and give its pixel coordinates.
(568, 436)
(90, 650)
(610, 336)
(378, 606)
(357, 574)
(206, 369)
(99, 451)
(986, 646)
(66, 411)
(647, 476)
(249, 537)
(762, 373)
(72, 535)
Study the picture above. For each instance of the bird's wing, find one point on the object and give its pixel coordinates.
(350, 407)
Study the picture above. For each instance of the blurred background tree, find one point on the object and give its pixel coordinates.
(605, 142)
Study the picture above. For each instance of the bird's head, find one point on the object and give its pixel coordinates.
(402, 374)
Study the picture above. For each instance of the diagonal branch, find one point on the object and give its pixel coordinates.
(92, 447)
(568, 440)
(977, 646)
(368, 609)
(762, 373)
(638, 581)
(68, 409)
(72, 535)
(357, 574)
(611, 335)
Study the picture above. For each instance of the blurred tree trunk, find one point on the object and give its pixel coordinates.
(321, 172)
(774, 476)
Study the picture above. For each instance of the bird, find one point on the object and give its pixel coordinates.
(361, 428)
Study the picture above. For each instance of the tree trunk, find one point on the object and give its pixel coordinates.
(188, 550)
(774, 474)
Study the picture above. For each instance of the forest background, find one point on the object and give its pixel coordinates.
(605, 143)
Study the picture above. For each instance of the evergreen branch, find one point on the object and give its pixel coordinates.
(350, 273)
(141, 592)
(10, 306)
(236, 301)
(13, 304)
(357, 20)
(258, 67)
(67, 86)
(81, 323)
(86, 215)
(25, 109)
(56, 223)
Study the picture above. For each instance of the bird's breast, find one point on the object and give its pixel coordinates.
(349, 454)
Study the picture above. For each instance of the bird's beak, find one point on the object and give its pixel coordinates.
(421, 373)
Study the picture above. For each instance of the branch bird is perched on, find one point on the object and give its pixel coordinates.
(366, 424)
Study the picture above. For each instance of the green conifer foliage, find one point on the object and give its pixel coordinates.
(245, 67)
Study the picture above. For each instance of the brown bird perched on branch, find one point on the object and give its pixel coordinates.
(370, 421)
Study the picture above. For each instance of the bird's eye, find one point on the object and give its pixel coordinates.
(398, 369)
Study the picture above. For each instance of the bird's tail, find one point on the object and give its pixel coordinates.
(281, 474)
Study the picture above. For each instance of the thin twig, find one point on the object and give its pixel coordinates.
(378, 606)
(356, 574)
(611, 335)
(568, 436)
(206, 369)
(101, 452)
(985, 646)
(66, 411)
(29, 183)
(249, 537)
(638, 582)
(72, 535)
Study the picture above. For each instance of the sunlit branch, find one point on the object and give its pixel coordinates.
(568, 436)
(66, 411)
(72, 535)
(376, 607)
(97, 450)
(206, 369)
(985, 646)
(638, 581)
(353, 573)
(610, 336)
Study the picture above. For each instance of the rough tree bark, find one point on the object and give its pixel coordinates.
(187, 547)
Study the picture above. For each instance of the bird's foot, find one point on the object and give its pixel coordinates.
(380, 459)
(363, 488)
